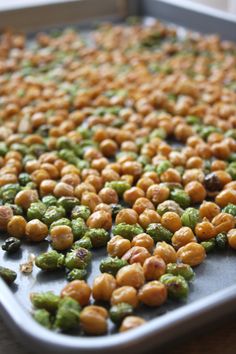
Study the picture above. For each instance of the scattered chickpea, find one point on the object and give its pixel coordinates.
(62, 237)
(78, 290)
(132, 275)
(103, 287)
(131, 322)
(193, 254)
(36, 231)
(153, 293)
(93, 320)
(127, 294)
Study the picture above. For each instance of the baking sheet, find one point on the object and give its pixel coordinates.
(212, 293)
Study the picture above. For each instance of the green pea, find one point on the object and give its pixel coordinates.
(77, 274)
(119, 186)
(231, 171)
(85, 132)
(64, 143)
(21, 148)
(159, 232)
(207, 130)
(62, 221)
(82, 164)
(180, 269)
(78, 227)
(115, 208)
(144, 160)
(192, 120)
(120, 311)
(84, 242)
(3, 149)
(68, 314)
(11, 245)
(98, 237)
(50, 261)
(190, 217)
(180, 197)
(169, 205)
(230, 209)
(49, 200)
(68, 203)
(37, 149)
(80, 211)
(112, 265)
(24, 178)
(43, 318)
(68, 155)
(126, 230)
(17, 210)
(231, 133)
(158, 133)
(209, 245)
(47, 301)
(221, 240)
(149, 168)
(36, 211)
(78, 258)
(163, 166)
(52, 214)
(177, 286)
(8, 275)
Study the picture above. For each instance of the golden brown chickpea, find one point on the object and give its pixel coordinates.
(223, 176)
(71, 179)
(93, 320)
(95, 181)
(196, 191)
(171, 175)
(194, 174)
(104, 207)
(7, 179)
(90, 200)
(103, 287)
(209, 210)
(99, 164)
(142, 204)
(152, 175)
(129, 216)
(63, 190)
(132, 194)
(144, 183)
(171, 221)
(127, 294)
(131, 322)
(204, 230)
(153, 293)
(118, 246)
(226, 197)
(136, 254)
(32, 166)
(231, 235)
(82, 188)
(166, 252)
(108, 195)
(220, 150)
(77, 290)
(193, 254)
(143, 240)
(131, 275)
(100, 219)
(108, 147)
(108, 175)
(69, 169)
(132, 168)
(51, 169)
(16, 226)
(26, 197)
(218, 165)
(6, 215)
(154, 267)
(148, 217)
(36, 231)
(47, 187)
(39, 175)
(194, 162)
(182, 237)
(62, 237)
(223, 222)
(157, 193)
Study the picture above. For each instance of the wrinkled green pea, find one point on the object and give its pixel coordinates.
(50, 261)
(43, 318)
(17, 210)
(11, 245)
(52, 214)
(49, 200)
(177, 286)
(98, 237)
(68, 314)
(84, 242)
(180, 269)
(120, 311)
(80, 211)
(68, 203)
(180, 197)
(190, 217)
(47, 301)
(221, 240)
(78, 258)
(115, 208)
(163, 166)
(127, 231)
(78, 227)
(62, 221)
(24, 178)
(209, 245)
(8, 275)
(169, 205)
(3, 149)
(159, 232)
(36, 211)
(77, 274)
(112, 265)
(230, 209)
(119, 186)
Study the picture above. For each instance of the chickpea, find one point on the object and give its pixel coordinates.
(82, 188)
(136, 254)
(108, 147)
(132, 194)
(157, 193)
(132, 168)
(131, 322)
(209, 210)
(194, 174)
(47, 187)
(153, 293)
(95, 181)
(171, 221)
(26, 197)
(166, 252)
(143, 240)
(93, 320)
(63, 190)
(144, 183)
(78, 290)
(108, 196)
(118, 246)
(100, 219)
(39, 175)
(104, 207)
(226, 197)
(182, 237)
(171, 175)
(204, 230)
(103, 287)
(16, 226)
(231, 235)
(109, 175)
(223, 222)
(193, 254)
(128, 216)
(132, 275)
(153, 268)
(6, 215)
(196, 191)
(148, 217)
(90, 200)
(99, 164)
(142, 204)
(223, 177)
(127, 294)
(152, 175)
(62, 237)
(36, 231)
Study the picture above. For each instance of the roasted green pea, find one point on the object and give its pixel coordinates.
(169, 205)
(79, 228)
(37, 149)
(9, 191)
(78, 258)
(230, 209)
(77, 274)
(3, 149)
(43, 318)
(80, 211)
(209, 245)
(50, 261)
(115, 208)
(47, 301)
(64, 143)
(68, 203)
(36, 211)
(8, 275)
(98, 237)
(163, 166)
(127, 231)
(21, 148)
(84, 242)
(221, 240)
(120, 311)
(159, 232)
(52, 214)
(180, 197)
(68, 155)
(190, 217)
(49, 200)
(112, 265)
(180, 269)
(177, 286)
(62, 221)
(68, 314)
(158, 133)
(119, 186)
(24, 178)
(17, 210)
(11, 245)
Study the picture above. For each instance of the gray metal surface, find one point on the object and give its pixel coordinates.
(213, 291)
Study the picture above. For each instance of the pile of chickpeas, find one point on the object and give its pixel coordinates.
(125, 141)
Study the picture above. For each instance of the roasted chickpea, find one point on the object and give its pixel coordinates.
(100, 219)
(47, 187)
(204, 230)
(141, 204)
(108, 147)
(132, 194)
(82, 188)
(182, 237)
(226, 197)
(196, 191)
(193, 254)
(36, 231)
(103, 287)
(90, 200)
(171, 175)
(132, 275)
(153, 293)
(93, 320)
(131, 322)
(171, 221)
(128, 216)
(223, 222)
(148, 217)
(157, 193)
(132, 168)
(104, 207)
(118, 246)
(153, 268)
(127, 294)
(63, 190)
(62, 237)
(143, 240)
(108, 195)
(136, 254)
(209, 210)
(231, 235)
(6, 215)
(26, 197)
(144, 183)
(166, 252)
(16, 226)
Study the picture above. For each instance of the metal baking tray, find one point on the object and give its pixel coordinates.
(212, 294)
